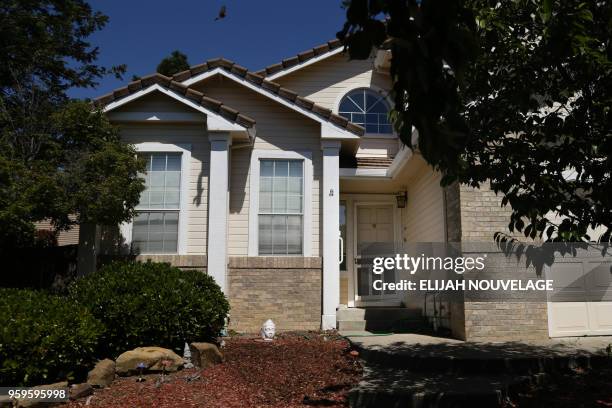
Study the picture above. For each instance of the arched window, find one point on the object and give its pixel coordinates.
(368, 109)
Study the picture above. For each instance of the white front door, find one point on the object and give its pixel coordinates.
(374, 224)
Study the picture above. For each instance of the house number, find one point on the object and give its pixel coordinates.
(331, 192)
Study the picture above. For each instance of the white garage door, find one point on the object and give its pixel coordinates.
(581, 304)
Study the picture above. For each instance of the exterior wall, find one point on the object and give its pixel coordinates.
(195, 135)
(284, 289)
(70, 237)
(278, 128)
(327, 81)
(197, 262)
(423, 217)
(473, 216)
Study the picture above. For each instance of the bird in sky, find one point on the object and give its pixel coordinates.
(222, 13)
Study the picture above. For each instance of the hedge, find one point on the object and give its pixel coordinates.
(44, 338)
(151, 304)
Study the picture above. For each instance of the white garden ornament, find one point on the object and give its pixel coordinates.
(268, 329)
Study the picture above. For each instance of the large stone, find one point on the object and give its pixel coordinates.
(204, 355)
(152, 357)
(102, 374)
(38, 403)
(80, 390)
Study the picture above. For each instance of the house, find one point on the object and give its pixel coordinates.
(270, 181)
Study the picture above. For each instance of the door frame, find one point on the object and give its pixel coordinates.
(352, 202)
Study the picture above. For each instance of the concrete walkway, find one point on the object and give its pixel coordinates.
(424, 344)
(421, 371)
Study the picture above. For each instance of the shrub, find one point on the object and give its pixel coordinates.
(151, 304)
(44, 338)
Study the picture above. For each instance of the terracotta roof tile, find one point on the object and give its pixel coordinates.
(306, 55)
(301, 57)
(326, 113)
(287, 94)
(198, 69)
(289, 62)
(209, 103)
(259, 80)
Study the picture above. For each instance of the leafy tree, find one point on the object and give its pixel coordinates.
(57, 157)
(173, 64)
(517, 93)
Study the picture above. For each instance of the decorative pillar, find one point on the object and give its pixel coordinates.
(331, 232)
(218, 206)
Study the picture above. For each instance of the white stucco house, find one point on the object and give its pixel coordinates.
(270, 180)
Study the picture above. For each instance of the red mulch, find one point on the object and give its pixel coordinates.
(295, 370)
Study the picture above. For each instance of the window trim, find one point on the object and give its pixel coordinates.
(256, 156)
(183, 210)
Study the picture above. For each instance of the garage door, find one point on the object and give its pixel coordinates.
(581, 304)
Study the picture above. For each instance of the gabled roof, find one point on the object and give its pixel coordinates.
(192, 95)
(302, 59)
(198, 72)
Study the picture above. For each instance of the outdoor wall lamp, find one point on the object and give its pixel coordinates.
(402, 199)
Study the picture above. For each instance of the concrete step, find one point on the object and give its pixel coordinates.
(387, 387)
(377, 313)
(395, 326)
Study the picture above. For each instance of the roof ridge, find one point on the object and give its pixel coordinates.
(300, 57)
(271, 86)
(176, 86)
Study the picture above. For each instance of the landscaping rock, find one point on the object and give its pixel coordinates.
(102, 374)
(152, 357)
(80, 390)
(204, 355)
(37, 403)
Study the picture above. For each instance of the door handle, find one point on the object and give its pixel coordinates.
(341, 249)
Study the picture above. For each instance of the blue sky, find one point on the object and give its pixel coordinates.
(254, 34)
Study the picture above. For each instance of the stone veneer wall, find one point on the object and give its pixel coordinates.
(474, 215)
(284, 289)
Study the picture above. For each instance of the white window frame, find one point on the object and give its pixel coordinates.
(183, 225)
(376, 89)
(256, 157)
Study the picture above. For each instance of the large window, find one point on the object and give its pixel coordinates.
(281, 207)
(155, 228)
(368, 109)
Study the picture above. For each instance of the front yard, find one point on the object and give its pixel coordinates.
(295, 370)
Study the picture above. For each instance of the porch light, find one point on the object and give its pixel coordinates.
(402, 199)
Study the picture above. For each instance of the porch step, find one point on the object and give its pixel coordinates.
(379, 319)
(386, 387)
(377, 313)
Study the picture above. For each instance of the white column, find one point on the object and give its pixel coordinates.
(218, 205)
(331, 232)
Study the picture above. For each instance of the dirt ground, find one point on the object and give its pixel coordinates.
(295, 370)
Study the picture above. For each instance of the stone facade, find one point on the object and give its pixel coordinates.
(284, 289)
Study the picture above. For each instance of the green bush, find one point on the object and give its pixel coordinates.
(44, 338)
(151, 304)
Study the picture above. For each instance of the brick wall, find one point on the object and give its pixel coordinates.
(284, 289)
(197, 262)
(505, 321)
(473, 216)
